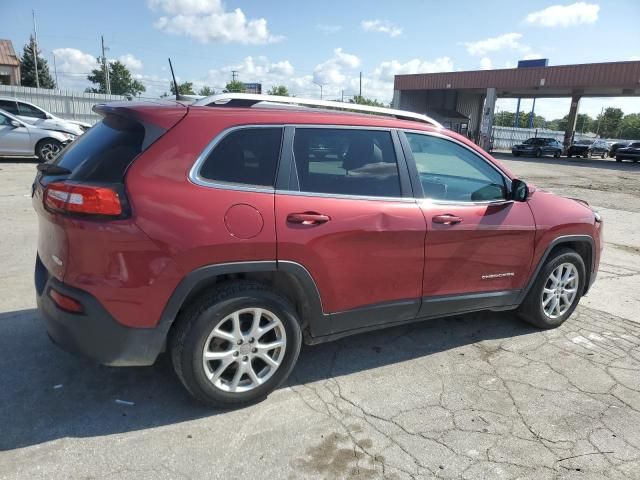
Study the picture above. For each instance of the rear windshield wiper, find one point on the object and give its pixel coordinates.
(52, 169)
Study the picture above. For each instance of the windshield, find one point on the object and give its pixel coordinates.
(533, 141)
(583, 142)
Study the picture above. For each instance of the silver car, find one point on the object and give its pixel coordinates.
(19, 139)
(34, 115)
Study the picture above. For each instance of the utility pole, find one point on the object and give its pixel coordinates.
(234, 75)
(361, 85)
(34, 48)
(320, 85)
(599, 121)
(342, 98)
(105, 66)
(55, 69)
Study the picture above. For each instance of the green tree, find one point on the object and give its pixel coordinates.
(119, 77)
(360, 100)
(206, 91)
(584, 123)
(630, 127)
(235, 86)
(28, 69)
(608, 122)
(504, 119)
(184, 88)
(279, 90)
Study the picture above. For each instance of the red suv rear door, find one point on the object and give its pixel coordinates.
(479, 244)
(350, 219)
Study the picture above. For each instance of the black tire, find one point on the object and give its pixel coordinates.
(557, 154)
(569, 155)
(531, 308)
(538, 153)
(618, 159)
(516, 154)
(45, 147)
(604, 155)
(187, 341)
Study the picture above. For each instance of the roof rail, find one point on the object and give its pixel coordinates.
(250, 99)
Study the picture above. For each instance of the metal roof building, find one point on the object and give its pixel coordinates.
(473, 94)
(9, 64)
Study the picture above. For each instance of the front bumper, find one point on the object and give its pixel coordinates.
(94, 333)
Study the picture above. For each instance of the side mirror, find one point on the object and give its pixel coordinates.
(15, 124)
(519, 190)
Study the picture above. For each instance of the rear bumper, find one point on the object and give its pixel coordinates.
(94, 333)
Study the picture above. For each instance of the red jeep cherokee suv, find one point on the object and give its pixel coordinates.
(230, 231)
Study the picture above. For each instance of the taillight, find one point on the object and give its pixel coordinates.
(84, 199)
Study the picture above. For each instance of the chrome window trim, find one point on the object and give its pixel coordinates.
(505, 177)
(194, 172)
(346, 196)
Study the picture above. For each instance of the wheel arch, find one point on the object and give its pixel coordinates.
(583, 245)
(288, 279)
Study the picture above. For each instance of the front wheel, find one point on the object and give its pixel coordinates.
(48, 149)
(604, 155)
(236, 345)
(557, 154)
(556, 291)
(538, 153)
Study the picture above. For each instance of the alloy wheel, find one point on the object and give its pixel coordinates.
(244, 350)
(560, 290)
(49, 151)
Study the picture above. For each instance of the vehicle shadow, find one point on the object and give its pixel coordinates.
(32, 160)
(606, 163)
(48, 394)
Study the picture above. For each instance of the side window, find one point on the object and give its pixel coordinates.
(346, 161)
(247, 156)
(4, 120)
(29, 111)
(453, 173)
(9, 106)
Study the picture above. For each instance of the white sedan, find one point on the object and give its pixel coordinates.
(19, 139)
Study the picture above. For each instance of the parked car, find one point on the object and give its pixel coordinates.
(614, 148)
(632, 152)
(230, 234)
(19, 139)
(538, 147)
(34, 115)
(588, 148)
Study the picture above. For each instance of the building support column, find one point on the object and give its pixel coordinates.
(486, 124)
(395, 102)
(571, 123)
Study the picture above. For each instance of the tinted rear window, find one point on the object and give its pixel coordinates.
(105, 151)
(246, 156)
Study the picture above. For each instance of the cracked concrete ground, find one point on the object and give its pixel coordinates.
(476, 396)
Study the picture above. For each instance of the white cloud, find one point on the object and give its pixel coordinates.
(74, 61)
(565, 15)
(532, 56)
(485, 63)
(328, 29)
(131, 62)
(208, 21)
(389, 69)
(493, 44)
(332, 70)
(381, 26)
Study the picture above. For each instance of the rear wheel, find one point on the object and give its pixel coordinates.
(604, 155)
(48, 149)
(516, 154)
(569, 155)
(618, 159)
(557, 154)
(538, 153)
(236, 345)
(557, 290)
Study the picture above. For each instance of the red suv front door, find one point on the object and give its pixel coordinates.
(478, 242)
(347, 222)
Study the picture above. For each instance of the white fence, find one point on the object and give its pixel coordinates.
(62, 103)
(505, 137)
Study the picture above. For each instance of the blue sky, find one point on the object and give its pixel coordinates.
(299, 43)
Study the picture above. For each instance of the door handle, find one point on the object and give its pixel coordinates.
(446, 219)
(308, 218)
